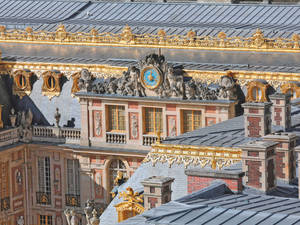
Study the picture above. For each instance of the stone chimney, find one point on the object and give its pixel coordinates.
(297, 150)
(285, 155)
(259, 163)
(157, 191)
(257, 116)
(281, 110)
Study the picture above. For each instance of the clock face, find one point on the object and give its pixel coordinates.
(151, 77)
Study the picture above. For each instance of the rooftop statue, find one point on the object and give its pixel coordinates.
(154, 77)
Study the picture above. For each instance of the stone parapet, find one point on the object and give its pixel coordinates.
(201, 178)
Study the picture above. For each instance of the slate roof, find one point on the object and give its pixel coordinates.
(229, 133)
(175, 18)
(121, 56)
(217, 205)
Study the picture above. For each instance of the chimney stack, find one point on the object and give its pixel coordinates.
(281, 110)
(157, 191)
(259, 163)
(285, 155)
(257, 116)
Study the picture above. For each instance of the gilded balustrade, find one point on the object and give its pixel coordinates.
(215, 157)
(127, 38)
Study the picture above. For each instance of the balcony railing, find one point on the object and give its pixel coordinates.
(5, 204)
(56, 134)
(148, 140)
(9, 136)
(72, 200)
(43, 198)
(116, 138)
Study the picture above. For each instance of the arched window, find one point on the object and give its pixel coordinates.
(115, 166)
(256, 94)
(292, 92)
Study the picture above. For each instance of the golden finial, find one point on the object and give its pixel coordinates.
(130, 196)
(158, 137)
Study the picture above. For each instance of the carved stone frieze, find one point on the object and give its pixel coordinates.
(156, 78)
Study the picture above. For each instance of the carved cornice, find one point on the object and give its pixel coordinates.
(256, 42)
(243, 77)
(22, 82)
(215, 157)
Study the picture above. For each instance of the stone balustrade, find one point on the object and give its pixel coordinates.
(148, 140)
(116, 138)
(56, 134)
(9, 136)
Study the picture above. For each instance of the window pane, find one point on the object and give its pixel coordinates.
(153, 120)
(191, 120)
(116, 116)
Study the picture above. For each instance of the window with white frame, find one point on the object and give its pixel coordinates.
(73, 184)
(44, 174)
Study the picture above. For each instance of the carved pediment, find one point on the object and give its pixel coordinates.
(154, 77)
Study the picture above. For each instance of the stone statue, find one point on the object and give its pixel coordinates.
(57, 117)
(175, 83)
(90, 205)
(85, 81)
(71, 216)
(13, 117)
(227, 89)
(20, 221)
(26, 126)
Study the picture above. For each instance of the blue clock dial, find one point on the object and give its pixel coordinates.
(151, 78)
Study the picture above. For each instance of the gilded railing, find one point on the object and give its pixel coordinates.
(127, 38)
(215, 157)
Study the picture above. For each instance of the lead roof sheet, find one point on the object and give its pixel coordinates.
(175, 18)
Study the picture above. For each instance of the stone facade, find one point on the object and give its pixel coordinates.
(25, 199)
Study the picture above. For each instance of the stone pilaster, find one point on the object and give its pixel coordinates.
(257, 116)
(281, 110)
(84, 136)
(259, 163)
(157, 191)
(285, 155)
